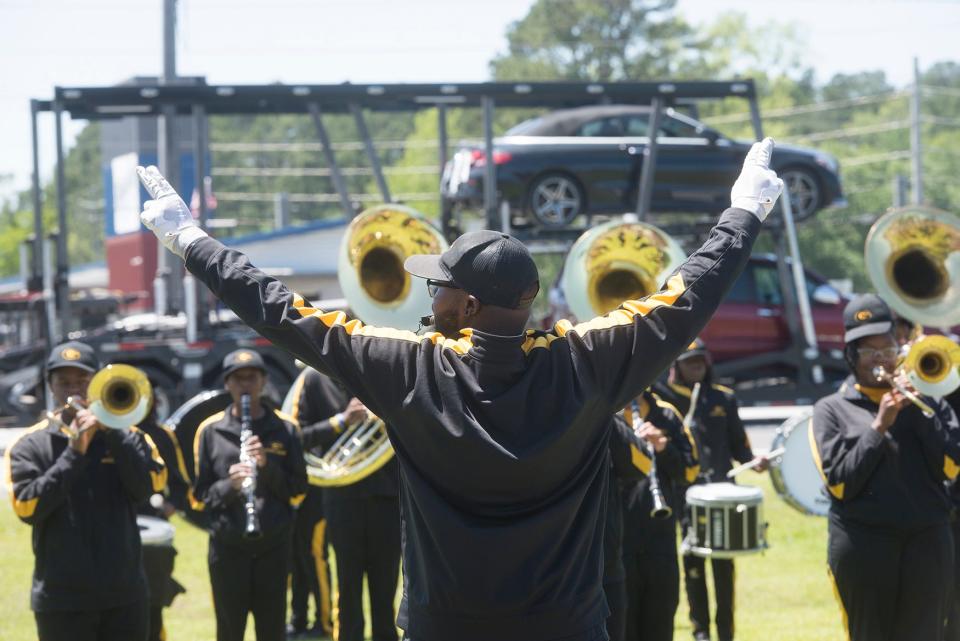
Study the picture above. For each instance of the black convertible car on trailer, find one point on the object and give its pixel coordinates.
(587, 160)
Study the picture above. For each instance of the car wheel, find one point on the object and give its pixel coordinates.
(804, 192)
(555, 200)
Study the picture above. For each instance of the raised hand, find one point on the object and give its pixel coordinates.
(167, 215)
(758, 187)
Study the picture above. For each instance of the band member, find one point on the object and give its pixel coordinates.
(248, 574)
(309, 570)
(890, 551)
(363, 518)
(650, 544)
(78, 484)
(158, 561)
(721, 440)
(501, 433)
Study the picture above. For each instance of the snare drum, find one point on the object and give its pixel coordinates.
(726, 521)
(794, 474)
(155, 532)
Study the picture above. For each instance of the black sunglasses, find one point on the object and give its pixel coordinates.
(433, 286)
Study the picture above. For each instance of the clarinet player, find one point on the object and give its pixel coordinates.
(249, 493)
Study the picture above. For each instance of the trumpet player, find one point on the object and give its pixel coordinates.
(77, 484)
(650, 539)
(248, 569)
(884, 463)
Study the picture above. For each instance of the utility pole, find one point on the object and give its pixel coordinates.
(167, 284)
(916, 151)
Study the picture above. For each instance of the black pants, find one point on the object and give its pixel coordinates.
(365, 534)
(695, 581)
(309, 572)
(653, 594)
(124, 623)
(244, 581)
(616, 594)
(892, 586)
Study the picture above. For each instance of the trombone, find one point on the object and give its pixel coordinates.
(119, 396)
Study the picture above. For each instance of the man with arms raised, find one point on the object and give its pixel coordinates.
(500, 432)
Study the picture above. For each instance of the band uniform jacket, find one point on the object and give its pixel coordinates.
(281, 483)
(317, 402)
(894, 480)
(628, 460)
(178, 480)
(502, 441)
(677, 467)
(83, 509)
(716, 427)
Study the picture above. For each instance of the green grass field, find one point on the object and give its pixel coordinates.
(782, 595)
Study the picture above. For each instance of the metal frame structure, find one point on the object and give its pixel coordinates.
(194, 97)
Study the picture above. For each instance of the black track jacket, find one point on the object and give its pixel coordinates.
(281, 483)
(83, 509)
(501, 440)
(894, 480)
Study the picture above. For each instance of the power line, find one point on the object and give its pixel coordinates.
(851, 132)
(815, 107)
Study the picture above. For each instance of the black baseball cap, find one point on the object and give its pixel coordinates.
(73, 354)
(866, 315)
(696, 348)
(241, 358)
(495, 267)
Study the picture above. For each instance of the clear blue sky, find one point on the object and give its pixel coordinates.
(44, 43)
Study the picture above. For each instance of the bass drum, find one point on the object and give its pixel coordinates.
(185, 421)
(794, 474)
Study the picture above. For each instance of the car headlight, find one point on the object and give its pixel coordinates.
(828, 162)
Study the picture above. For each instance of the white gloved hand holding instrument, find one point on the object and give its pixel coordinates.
(757, 188)
(167, 215)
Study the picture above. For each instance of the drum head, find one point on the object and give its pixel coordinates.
(724, 493)
(794, 474)
(154, 531)
(185, 421)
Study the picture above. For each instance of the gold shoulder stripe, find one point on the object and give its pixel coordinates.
(835, 490)
(181, 463)
(23, 509)
(682, 390)
(356, 328)
(625, 314)
(159, 479)
(950, 468)
(536, 342)
(722, 388)
(668, 407)
(213, 418)
(297, 499)
(639, 459)
(296, 392)
(288, 419)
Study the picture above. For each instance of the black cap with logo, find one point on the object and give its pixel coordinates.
(73, 354)
(866, 315)
(241, 358)
(495, 267)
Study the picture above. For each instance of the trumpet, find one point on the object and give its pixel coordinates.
(119, 396)
(931, 366)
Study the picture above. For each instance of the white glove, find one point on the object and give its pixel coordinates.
(167, 215)
(757, 188)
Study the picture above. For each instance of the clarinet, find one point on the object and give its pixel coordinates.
(660, 508)
(249, 487)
